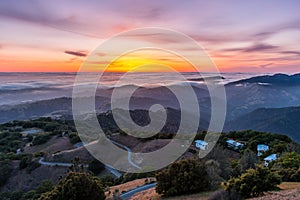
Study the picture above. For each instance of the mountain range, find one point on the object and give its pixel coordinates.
(264, 103)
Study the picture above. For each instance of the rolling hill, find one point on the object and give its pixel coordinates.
(275, 120)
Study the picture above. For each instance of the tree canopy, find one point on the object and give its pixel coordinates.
(76, 186)
(183, 177)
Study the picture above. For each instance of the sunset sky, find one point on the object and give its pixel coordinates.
(240, 36)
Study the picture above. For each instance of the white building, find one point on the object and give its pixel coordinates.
(234, 144)
(261, 148)
(201, 144)
(19, 151)
(269, 159)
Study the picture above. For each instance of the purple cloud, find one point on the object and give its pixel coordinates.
(254, 48)
(260, 47)
(291, 52)
(266, 65)
(76, 53)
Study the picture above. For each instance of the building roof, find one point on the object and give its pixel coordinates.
(201, 142)
(262, 147)
(271, 157)
(235, 143)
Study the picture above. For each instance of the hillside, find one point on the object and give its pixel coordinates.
(274, 120)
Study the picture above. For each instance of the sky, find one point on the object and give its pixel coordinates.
(239, 36)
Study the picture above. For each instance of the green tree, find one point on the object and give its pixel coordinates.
(288, 166)
(220, 155)
(76, 186)
(96, 166)
(5, 172)
(248, 160)
(254, 182)
(183, 177)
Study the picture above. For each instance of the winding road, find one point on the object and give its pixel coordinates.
(127, 195)
(61, 164)
(112, 170)
(129, 153)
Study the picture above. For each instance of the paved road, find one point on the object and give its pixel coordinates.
(108, 167)
(61, 164)
(42, 162)
(129, 153)
(113, 171)
(127, 195)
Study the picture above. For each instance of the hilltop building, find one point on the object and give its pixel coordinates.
(234, 144)
(201, 144)
(261, 148)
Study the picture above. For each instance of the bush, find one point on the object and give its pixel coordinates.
(183, 177)
(5, 171)
(74, 138)
(41, 139)
(96, 166)
(76, 186)
(24, 162)
(254, 183)
(107, 181)
(10, 142)
(288, 166)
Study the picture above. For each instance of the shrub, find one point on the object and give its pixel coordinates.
(254, 183)
(41, 139)
(5, 171)
(76, 186)
(183, 177)
(96, 166)
(74, 138)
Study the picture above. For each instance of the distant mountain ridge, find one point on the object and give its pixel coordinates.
(275, 120)
(276, 79)
(264, 103)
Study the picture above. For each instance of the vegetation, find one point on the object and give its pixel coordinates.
(288, 166)
(10, 141)
(74, 138)
(183, 177)
(5, 171)
(242, 171)
(95, 166)
(45, 186)
(41, 139)
(254, 182)
(76, 186)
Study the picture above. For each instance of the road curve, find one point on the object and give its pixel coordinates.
(129, 154)
(127, 195)
(42, 162)
(112, 170)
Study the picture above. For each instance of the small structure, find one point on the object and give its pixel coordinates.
(201, 144)
(19, 151)
(63, 134)
(234, 144)
(269, 159)
(261, 148)
(31, 131)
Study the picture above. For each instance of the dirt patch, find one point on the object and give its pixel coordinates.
(151, 145)
(289, 185)
(282, 195)
(152, 195)
(69, 155)
(55, 144)
(128, 141)
(25, 181)
(147, 195)
(127, 186)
